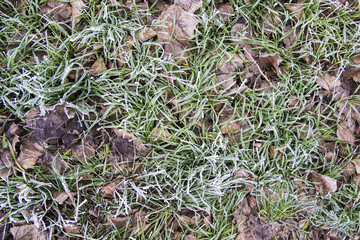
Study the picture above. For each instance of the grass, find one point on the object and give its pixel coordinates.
(195, 167)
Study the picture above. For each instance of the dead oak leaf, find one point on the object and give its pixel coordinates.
(296, 8)
(27, 232)
(5, 163)
(323, 184)
(58, 10)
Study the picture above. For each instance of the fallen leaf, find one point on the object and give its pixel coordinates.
(27, 232)
(77, 6)
(145, 34)
(345, 134)
(141, 149)
(109, 189)
(190, 237)
(225, 11)
(71, 228)
(270, 60)
(5, 163)
(119, 222)
(98, 67)
(59, 11)
(189, 5)
(176, 27)
(231, 63)
(160, 133)
(30, 151)
(296, 9)
(60, 197)
(82, 152)
(328, 82)
(323, 184)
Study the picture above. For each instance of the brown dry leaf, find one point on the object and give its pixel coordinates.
(77, 6)
(356, 60)
(328, 82)
(60, 197)
(356, 164)
(323, 184)
(189, 5)
(231, 126)
(145, 34)
(190, 237)
(352, 73)
(5, 164)
(119, 222)
(345, 134)
(225, 11)
(58, 123)
(160, 133)
(141, 149)
(176, 27)
(83, 152)
(270, 60)
(71, 228)
(58, 10)
(30, 151)
(109, 189)
(296, 8)
(231, 63)
(98, 66)
(27, 232)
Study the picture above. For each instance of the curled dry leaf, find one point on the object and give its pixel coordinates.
(27, 232)
(189, 5)
(323, 184)
(146, 33)
(141, 149)
(98, 67)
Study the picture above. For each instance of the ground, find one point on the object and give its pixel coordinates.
(184, 119)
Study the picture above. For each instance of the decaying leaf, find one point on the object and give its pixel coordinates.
(71, 228)
(28, 232)
(270, 60)
(345, 134)
(119, 222)
(225, 11)
(323, 184)
(160, 133)
(141, 149)
(77, 6)
(5, 163)
(190, 237)
(296, 8)
(58, 10)
(189, 5)
(176, 27)
(30, 151)
(98, 66)
(328, 82)
(146, 33)
(60, 197)
(85, 150)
